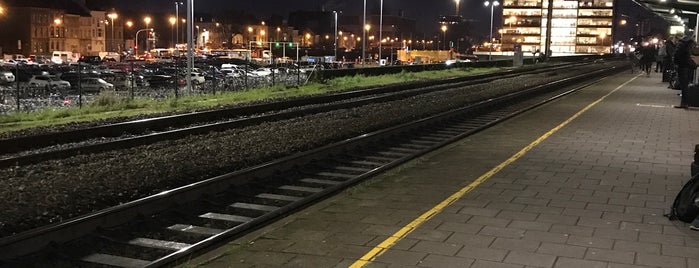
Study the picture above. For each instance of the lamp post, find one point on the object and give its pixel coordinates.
(196, 40)
(129, 24)
(380, 30)
(136, 41)
(173, 21)
(364, 36)
(444, 29)
(492, 5)
(112, 15)
(457, 6)
(335, 37)
(147, 20)
(177, 18)
(184, 30)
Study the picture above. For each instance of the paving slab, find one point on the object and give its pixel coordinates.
(592, 194)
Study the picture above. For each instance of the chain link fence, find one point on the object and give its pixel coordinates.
(135, 81)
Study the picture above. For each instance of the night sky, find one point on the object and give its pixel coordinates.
(424, 12)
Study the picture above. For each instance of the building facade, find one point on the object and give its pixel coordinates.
(576, 26)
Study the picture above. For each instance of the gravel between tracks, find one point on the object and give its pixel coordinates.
(51, 191)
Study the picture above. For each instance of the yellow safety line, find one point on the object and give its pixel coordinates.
(403, 232)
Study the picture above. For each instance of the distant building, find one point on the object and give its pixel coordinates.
(40, 27)
(583, 26)
(454, 33)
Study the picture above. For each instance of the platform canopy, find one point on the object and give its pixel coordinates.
(675, 12)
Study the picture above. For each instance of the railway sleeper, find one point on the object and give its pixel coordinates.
(278, 197)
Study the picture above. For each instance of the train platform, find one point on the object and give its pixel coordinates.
(581, 182)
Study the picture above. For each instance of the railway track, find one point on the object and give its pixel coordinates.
(34, 149)
(166, 228)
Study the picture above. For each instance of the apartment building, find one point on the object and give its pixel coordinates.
(576, 26)
(41, 27)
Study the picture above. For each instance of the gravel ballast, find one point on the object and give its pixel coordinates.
(52, 191)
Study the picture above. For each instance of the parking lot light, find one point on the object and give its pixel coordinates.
(492, 5)
(112, 15)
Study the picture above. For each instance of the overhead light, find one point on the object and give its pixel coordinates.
(672, 11)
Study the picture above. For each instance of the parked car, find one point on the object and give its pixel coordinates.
(122, 80)
(48, 81)
(73, 77)
(93, 84)
(94, 60)
(262, 71)
(160, 80)
(6, 77)
(198, 78)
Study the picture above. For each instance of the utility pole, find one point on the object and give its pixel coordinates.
(190, 44)
(549, 16)
(364, 35)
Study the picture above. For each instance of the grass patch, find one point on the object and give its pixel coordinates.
(107, 105)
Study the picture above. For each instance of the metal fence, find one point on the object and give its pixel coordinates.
(22, 96)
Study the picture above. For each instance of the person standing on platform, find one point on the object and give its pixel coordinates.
(685, 67)
(662, 53)
(648, 57)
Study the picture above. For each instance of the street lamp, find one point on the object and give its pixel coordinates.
(444, 29)
(136, 41)
(492, 5)
(380, 30)
(249, 34)
(364, 36)
(367, 29)
(457, 6)
(335, 37)
(173, 21)
(177, 18)
(112, 15)
(129, 24)
(184, 29)
(196, 41)
(147, 20)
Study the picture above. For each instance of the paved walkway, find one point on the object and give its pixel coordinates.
(591, 194)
